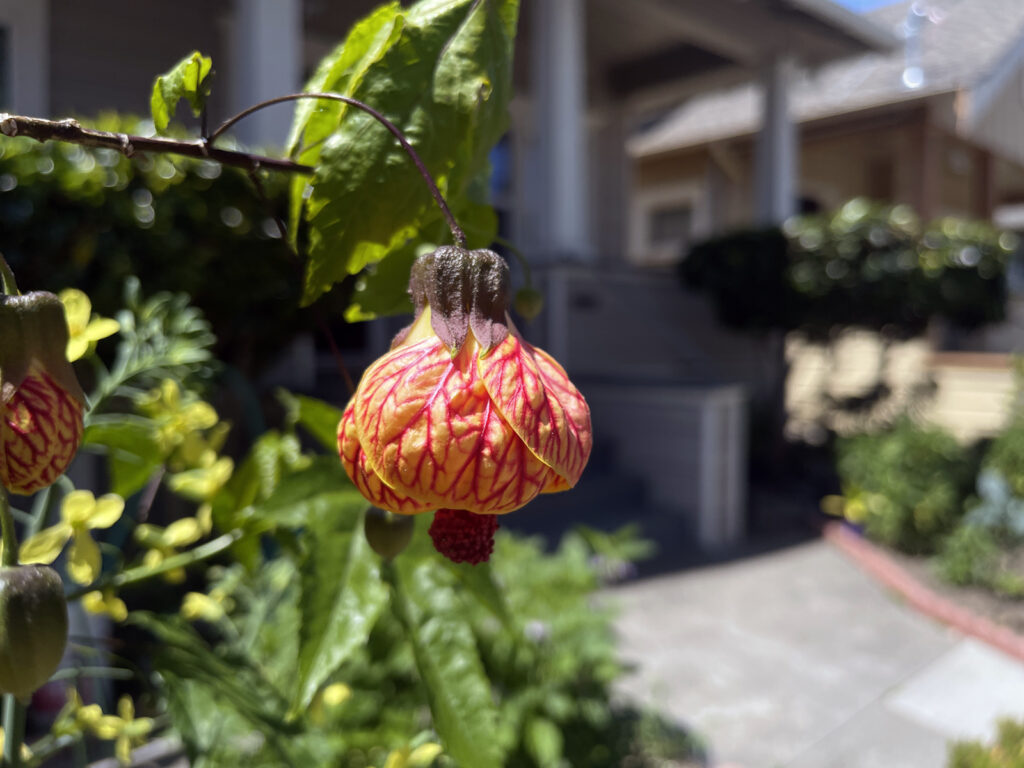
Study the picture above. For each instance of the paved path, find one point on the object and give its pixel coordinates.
(797, 659)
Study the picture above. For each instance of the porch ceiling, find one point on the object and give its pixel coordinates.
(637, 45)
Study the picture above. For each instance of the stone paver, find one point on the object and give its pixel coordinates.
(799, 659)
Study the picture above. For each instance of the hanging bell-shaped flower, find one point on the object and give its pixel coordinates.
(462, 416)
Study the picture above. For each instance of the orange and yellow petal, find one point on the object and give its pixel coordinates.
(430, 431)
(353, 459)
(547, 412)
(40, 429)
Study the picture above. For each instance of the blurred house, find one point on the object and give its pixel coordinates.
(937, 123)
(589, 73)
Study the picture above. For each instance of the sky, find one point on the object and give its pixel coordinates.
(864, 5)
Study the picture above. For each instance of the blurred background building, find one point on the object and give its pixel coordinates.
(637, 129)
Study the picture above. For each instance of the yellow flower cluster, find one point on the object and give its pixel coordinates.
(124, 729)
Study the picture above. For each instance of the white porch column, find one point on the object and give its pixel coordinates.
(775, 182)
(559, 86)
(28, 56)
(266, 42)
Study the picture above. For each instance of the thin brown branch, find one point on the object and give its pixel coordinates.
(73, 132)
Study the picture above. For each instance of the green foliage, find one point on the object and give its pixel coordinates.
(865, 265)
(189, 79)
(975, 556)
(92, 218)
(906, 485)
(441, 72)
(1006, 456)
(1006, 752)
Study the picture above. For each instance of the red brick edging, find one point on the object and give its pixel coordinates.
(874, 560)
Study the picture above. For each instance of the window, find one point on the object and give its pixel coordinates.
(662, 223)
(670, 225)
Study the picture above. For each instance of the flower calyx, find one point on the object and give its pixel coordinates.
(464, 291)
(34, 332)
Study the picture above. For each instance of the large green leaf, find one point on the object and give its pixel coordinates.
(446, 656)
(441, 71)
(383, 288)
(320, 490)
(232, 678)
(188, 79)
(342, 596)
(131, 445)
(319, 418)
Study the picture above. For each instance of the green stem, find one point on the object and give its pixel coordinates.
(10, 287)
(112, 673)
(145, 573)
(10, 536)
(520, 257)
(14, 730)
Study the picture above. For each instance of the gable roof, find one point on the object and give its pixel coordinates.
(963, 43)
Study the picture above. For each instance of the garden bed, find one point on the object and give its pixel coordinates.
(1005, 611)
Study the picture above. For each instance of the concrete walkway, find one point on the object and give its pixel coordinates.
(797, 659)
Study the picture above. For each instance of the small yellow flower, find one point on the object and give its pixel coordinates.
(163, 543)
(422, 756)
(105, 602)
(212, 607)
(74, 716)
(80, 512)
(176, 419)
(203, 482)
(124, 729)
(84, 328)
(26, 753)
(336, 694)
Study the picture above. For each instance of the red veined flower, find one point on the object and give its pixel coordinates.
(462, 416)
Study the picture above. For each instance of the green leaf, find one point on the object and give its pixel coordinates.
(480, 581)
(342, 597)
(131, 445)
(446, 656)
(319, 418)
(543, 741)
(188, 79)
(235, 681)
(321, 490)
(440, 71)
(383, 288)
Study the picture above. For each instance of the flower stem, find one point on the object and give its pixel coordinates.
(14, 730)
(10, 536)
(7, 281)
(457, 234)
(145, 573)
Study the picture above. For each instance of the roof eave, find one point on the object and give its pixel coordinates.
(861, 29)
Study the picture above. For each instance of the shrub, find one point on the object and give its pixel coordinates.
(1006, 752)
(906, 485)
(91, 218)
(865, 265)
(969, 556)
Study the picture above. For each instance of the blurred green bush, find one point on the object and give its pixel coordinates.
(71, 215)
(865, 265)
(907, 484)
(1006, 752)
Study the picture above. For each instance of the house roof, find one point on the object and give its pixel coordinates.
(962, 44)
